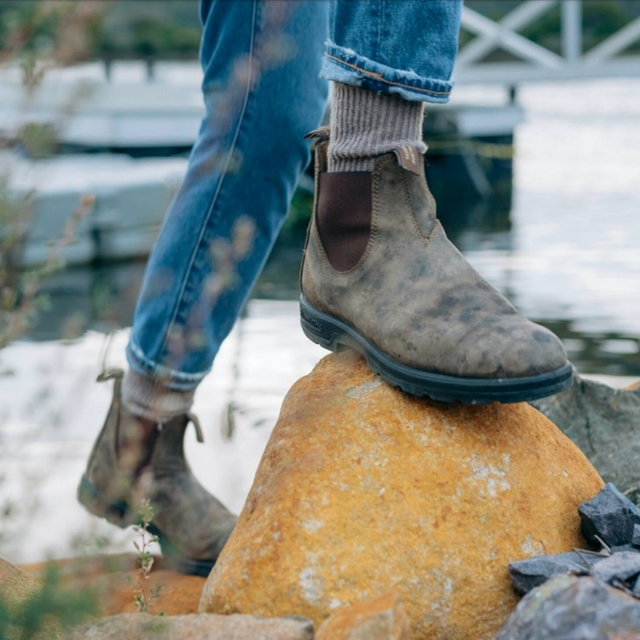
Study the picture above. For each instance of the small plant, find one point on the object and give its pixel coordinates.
(144, 596)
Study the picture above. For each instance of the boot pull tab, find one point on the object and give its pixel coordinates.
(408, 158)
(321, 134)
(110, 373)
(193, 419)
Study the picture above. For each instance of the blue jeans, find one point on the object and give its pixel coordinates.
(265, 86)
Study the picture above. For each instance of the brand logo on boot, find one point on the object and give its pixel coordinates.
(309, 320)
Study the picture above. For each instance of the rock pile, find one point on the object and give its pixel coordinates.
(609, 521)
(609, 518)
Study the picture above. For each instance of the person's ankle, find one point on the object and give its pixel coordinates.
(365, 124)
(152, 401)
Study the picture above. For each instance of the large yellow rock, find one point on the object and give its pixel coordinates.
(364, 490)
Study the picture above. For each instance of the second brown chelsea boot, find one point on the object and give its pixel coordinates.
(191, 525)
(379, 275)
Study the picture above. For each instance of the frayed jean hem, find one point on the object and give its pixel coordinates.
(344, 65)
(171, 378)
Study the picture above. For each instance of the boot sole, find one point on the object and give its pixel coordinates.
(332, 333)
(121, 515)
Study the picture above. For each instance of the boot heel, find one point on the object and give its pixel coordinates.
(117, 513)
(317, 329)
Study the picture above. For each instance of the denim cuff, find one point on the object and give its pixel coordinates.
(345, 65)
(171, 378)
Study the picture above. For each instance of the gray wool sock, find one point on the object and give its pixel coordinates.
(365, 124)
(148, 398)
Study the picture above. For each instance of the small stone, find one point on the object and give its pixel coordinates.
(532, 572)
(379, 619)
(619, 566)
(636, 588)
(635, 540)
(610, 516)
(573, 608)
(134, 626)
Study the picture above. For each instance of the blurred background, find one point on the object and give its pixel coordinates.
(534, 164)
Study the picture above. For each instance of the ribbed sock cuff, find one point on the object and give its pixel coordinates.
(365, 124)
(148, 398)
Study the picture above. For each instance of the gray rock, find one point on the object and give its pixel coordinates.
(532, 572)
(605, 424)
(610, 516)
(624, 547)
(635, 540)
(138, 626)
(573, 608)
(619, 566)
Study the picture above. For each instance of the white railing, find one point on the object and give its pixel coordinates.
(535, 61)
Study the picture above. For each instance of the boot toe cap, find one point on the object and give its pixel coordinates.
(506, 347)
(530, 350)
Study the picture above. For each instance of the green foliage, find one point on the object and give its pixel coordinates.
(32, 29)
(25, 16)
(127, 29)
(20, 297)
(153, 37)
(47, 613)
(135, 29)
(38, 140)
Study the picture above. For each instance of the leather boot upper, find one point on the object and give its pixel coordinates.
(413, 294)
(184, 511)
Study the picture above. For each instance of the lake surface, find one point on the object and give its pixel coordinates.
(567, 253)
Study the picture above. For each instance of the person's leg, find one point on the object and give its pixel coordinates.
(262, 92)
(387, 59)
(379, 273)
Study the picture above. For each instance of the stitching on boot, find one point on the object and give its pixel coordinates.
(407, 197)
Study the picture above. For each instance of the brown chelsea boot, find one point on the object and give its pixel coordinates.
(379, 275)
(191, 525)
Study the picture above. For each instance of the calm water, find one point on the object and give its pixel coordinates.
(565, 250)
